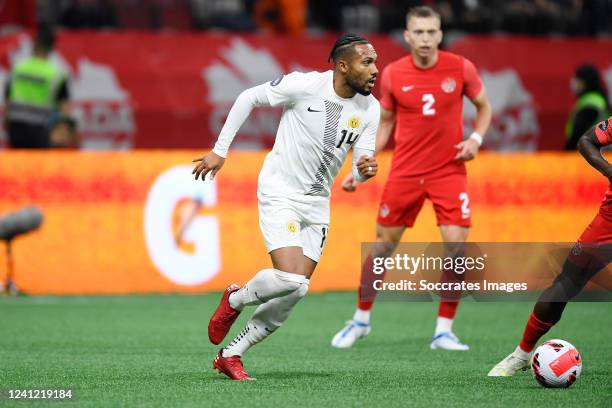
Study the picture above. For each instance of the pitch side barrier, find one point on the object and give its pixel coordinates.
(137, 221)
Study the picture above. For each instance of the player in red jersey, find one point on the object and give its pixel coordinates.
(591, 254)
(422, 98)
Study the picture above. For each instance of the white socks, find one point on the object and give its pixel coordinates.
(267, 318)
(520, 353)
(267, 284)
(362, 316)
(443, 324)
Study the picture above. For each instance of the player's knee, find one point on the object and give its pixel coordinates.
(385, 244)
(291, 281)
(567, 284)
(302, 290)
(549, 312)
(454, 233)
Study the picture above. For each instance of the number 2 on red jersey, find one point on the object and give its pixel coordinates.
(428, 102)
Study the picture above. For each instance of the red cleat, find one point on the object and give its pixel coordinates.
(231, 366)
(223, 318)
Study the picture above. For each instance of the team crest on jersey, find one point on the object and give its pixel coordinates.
(292, 227)
(603, 125)
(354, 122)
(449, 85)
(384, 210)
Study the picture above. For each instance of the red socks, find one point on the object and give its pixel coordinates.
(534, 330)
(366, 291)
(447, 309)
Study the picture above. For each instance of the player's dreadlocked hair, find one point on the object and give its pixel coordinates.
(343, 44)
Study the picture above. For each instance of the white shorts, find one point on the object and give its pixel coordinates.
(285, 223)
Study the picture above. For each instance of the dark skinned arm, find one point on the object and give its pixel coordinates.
(590, 148)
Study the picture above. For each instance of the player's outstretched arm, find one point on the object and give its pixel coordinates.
(590, 148)
(238, 114)
(210, 162)
(468, 149)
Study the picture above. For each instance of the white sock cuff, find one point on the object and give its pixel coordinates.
(362, 316)
(522, 353)
(443, 324)
(291, 277)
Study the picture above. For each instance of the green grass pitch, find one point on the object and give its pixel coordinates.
(154, 351)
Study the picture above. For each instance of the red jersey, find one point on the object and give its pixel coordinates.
(428, 105)
(603, 132)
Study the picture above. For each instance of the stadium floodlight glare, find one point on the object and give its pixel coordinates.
(20, 222)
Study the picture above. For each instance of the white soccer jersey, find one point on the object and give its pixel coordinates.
(316, 130)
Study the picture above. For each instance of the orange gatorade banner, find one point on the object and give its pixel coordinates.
(137, 222)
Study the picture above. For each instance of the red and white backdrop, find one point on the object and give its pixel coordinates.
(173, 90)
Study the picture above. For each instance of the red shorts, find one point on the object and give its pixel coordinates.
(600, 229)
(403, 199)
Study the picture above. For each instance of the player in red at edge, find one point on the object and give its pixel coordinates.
(589, 256)
(422, 97)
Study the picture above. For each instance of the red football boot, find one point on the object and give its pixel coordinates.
(231, 366)
(223, 318)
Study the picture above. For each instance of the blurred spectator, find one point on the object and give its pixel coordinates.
(326, 15)
(540, 16)
(63, 132)
(576, 17)
(595, 18)
(88, 13)
(471, 15)
(393, 13)
(235, 15)
(591, 106)
(35, 90)
(535, 17)
(281, 16)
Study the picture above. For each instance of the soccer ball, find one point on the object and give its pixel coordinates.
(556, 364)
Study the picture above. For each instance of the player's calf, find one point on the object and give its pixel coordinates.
(267, 284)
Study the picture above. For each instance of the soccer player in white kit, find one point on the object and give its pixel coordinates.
(325, 114)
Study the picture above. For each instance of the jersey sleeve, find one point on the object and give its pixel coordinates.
(367, 140)
(285, 89)
(387, 100)
(472, 85)
(603, 131)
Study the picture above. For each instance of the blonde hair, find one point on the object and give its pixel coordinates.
(422, 11)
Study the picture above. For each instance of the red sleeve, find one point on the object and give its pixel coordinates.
(472, 85)
(387, 100)
(603, 131)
